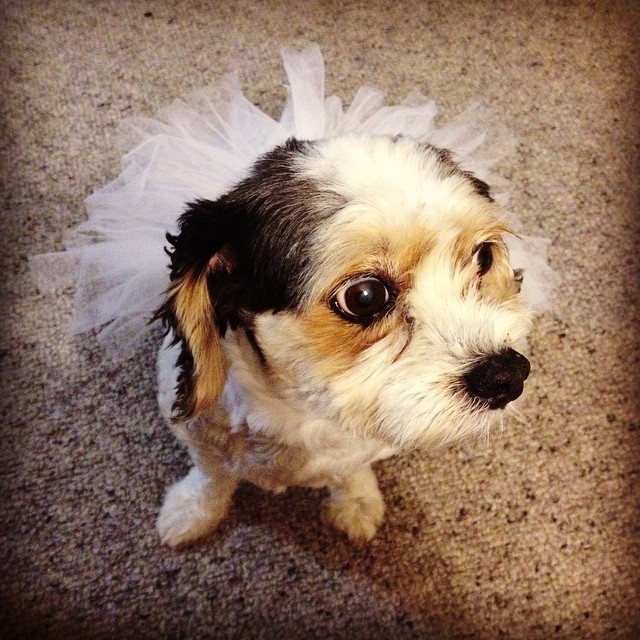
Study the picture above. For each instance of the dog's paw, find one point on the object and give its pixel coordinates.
(356, 507)
(192, 508)
(358, 517)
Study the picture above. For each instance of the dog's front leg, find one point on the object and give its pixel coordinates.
(197, 504)
(356, 507)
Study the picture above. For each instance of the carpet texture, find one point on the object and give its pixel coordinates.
(534, 534)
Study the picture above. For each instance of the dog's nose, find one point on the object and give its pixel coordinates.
(498, 379)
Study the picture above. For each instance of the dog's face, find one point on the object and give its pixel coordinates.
(371, 277)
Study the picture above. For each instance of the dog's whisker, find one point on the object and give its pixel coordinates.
(519, 416)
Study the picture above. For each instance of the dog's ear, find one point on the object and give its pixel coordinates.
(451, 166)
(203, 261)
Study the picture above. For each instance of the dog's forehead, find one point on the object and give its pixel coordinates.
(390, 174)
(404, 199)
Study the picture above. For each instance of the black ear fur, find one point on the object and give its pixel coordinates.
(233, 258)
(199, 304)
(451, 166)
(203, 229)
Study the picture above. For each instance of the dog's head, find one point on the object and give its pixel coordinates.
(372, 282)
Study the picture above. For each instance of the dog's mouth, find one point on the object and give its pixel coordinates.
(497, 379)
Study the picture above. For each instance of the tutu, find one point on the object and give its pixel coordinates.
(200, 149)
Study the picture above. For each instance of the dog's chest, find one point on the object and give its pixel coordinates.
(275, 466)
(275, 445)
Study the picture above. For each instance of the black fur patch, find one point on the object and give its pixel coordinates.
(284, 210)
(262, 228)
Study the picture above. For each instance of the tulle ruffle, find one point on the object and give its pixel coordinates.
(199, 149)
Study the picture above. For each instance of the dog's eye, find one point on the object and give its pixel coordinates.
(361, 300)
(483, 257)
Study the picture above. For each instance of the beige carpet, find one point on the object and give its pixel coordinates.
(533, 535)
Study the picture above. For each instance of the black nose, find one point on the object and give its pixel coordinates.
(498, 379)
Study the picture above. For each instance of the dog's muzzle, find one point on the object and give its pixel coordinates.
(498, 379)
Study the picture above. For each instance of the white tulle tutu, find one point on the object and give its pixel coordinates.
(200, 149)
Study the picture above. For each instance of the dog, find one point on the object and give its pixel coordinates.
(350, 299)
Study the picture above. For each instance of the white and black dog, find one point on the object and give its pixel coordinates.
(350, 299)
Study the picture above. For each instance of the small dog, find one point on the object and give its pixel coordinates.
(350, 299)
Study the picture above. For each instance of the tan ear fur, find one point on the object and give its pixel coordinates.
(196, 324)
